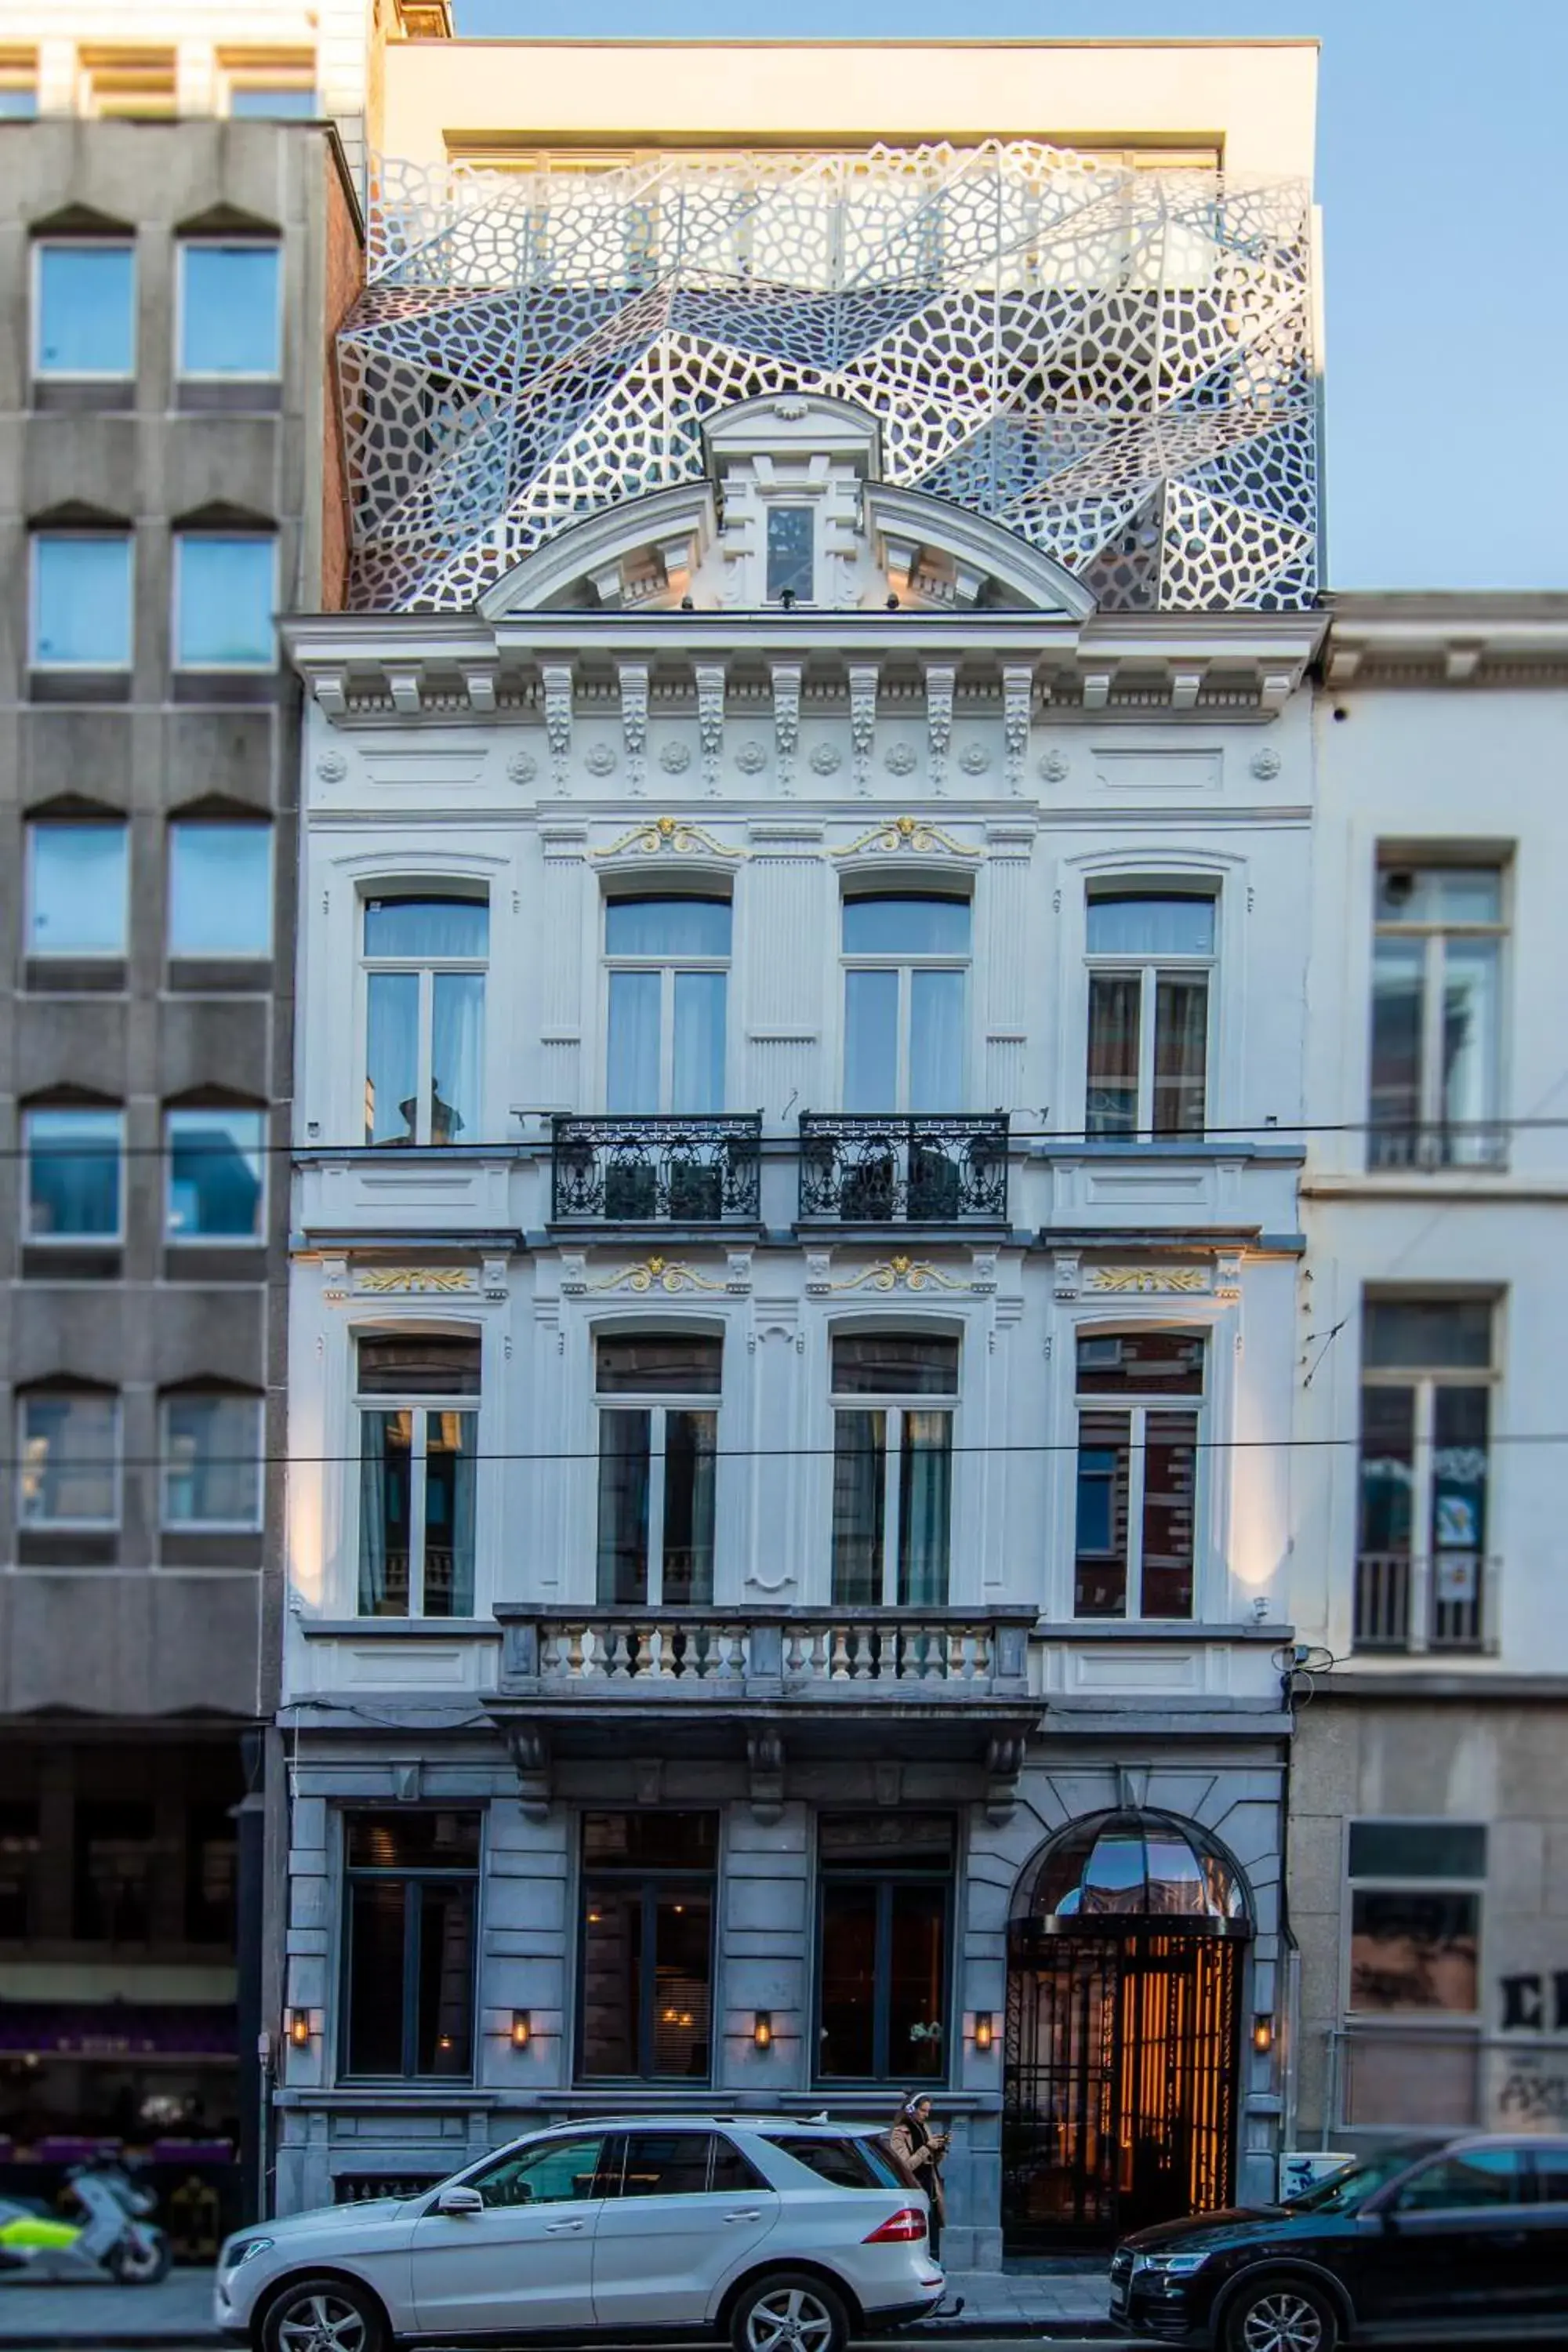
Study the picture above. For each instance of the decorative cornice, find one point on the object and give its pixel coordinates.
(668, 837)
(413, 1281)
(908, 835)
(658, 1274)
(901, 1274)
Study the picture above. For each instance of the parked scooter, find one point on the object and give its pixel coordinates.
(114, 2240)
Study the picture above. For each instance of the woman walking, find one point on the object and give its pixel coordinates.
(918, 2152)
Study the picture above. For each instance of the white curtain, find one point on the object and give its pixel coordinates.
(456, 1049)
(632, 1079)
(936, 1042)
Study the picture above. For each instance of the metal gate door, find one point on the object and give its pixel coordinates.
(1121, 2054)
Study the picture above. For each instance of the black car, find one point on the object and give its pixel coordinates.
(1444, 2240)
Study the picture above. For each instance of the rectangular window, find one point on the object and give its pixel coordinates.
(892, 1470)
(230, 315)
(647, 1947)
(1415, 1917)
(21, 1844)
(1437, 1010)
(212, 1462)
(212, 1872)
(425, 988)
(658, 1461)
(906, 961)
(84, 310)
(18, 84)
(886, 1892)
(82, 600)
(74, 1163)
(226, 592)
(116, 1847)
(792, 554)
(669, 979)
(1137, 1473)
(411, 1886)
(216, 1174)
(1150, 961)
(136, 83)
(77, 887)
(418, 1438)
(69, 1446)
(274, 101)
(220, 888)
(1427, 1379)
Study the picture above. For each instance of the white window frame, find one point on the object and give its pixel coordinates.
(255, 1240)
(419, 1408)
(667, 967)
(1430, 1117)
(894, 1408)
(227, 955)
(254, 665)
(657, 1410)
(44, 374)
(34, 826)
(52, 664)
(425, 969)
(117, 1468)
(72, 1241)
(182, 374)
(1405, 2020)
(1150, 971)
(1139, 1411)
(167, 1523)
(906, 966)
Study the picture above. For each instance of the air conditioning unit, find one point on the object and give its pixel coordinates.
(1301, 2169)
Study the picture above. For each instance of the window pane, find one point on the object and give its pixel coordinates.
(414, 1837)
(73, 1174)
(81, 611)
(1436, 1334)
(386, 1455)
(69, 1461)
(392, 1058)
(792, 536)
(215, 1174)
(666, 2164)
(917, 1993)
(859, 1495)
(698, 1080)
(1112, 1100)
(733, 2174)
(690, 1446)
(1104, 1463)
(212, 1862)
(456, 1047)
(910, 925)
(1141, 1363)
(115, 1842)
(1397, 982)
(925, 1509)
(228, 591)
(1480, 2176)
(1470, 1042)
(647, 1364)
(451, 1439)
(632, 1064)
(612, 1966)
(651, 1841)
(443, 2019)
(894, 1363)
(560, 2173)
(669, 928)
(1417, 1850)
(846, 2163)
(936, 1041)
(1387, 1469)
(281, 104)
(1170, 1479)
(375, 1976)
(1439, 894)
(683, 1961)
(1412, 1950)
(220, 889)
(420, 1364)
(77, 889)
(87, 296)
(1460, 1469)
(1181, 1054)
(1143, 926)
(848, 2005)
(229, 311)
(427, 930)
(625, 1441)
(870, 1040)
(212, 1469)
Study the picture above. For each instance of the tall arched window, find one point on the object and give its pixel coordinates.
(669, 963)
(658, 1434)
(906, 966)
(419, 1395)
(424, 1003)
(893, 1398)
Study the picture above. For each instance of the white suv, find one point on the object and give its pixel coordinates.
(779, 2236)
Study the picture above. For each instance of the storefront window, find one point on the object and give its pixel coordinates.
(1416, 1916)
(647, 1947)
(882, 1955)
(409, 1969)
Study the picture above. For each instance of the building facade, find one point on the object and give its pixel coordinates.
(170, 292)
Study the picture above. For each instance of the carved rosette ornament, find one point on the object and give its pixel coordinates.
(862, 724)
(939, 684)
(633, 677)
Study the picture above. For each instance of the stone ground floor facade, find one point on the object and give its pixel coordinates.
(1068, 1937)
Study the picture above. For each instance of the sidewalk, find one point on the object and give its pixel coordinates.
(177, 2314)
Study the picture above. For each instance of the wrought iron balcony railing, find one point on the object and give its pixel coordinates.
(1454, 1144)
(709, 1654)
(861, 1168)
(1407, 1603)
(645, 1172)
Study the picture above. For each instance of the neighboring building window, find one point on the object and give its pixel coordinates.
(220, 887)
(69, 1448)
(419, 1431)
(21, 1844)
(1416, 1916)
(84, 309)
(77, 887)
(413, 1880)
(1436, 1018)
(892, 1469)
(226, 592)
(792, 554)
(647, 1947)
(231, 324)
(273, 102)
(906, 962)
(82, 600)
(668, 971)
(212, 1874)
(1140, 1396)
(135, 82)
(424, 986)
(116, 1847)
(74, 1167)
(1150, 959)
(18, 85)
(657, 1456)
(216, 1174)
(211, 1449)
(1425, 1418)
(886, 1892)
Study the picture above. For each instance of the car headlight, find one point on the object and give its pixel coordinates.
(1170, 2265)
(234, 2257)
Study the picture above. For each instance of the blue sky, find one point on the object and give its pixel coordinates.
(1441, 157)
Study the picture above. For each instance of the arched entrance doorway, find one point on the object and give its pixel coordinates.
(1124, 1964)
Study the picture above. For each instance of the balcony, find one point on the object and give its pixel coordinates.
(1410, 1606)
(656, 1171)
(861, 1168)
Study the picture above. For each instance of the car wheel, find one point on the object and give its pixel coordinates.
(323, 2315)
(789, 2311)
(1282, 2314)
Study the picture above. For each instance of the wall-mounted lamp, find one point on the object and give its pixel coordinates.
(522, 2028)
(300, 2028)
(1263, 2033)
(762, 2029)
(985, 2029)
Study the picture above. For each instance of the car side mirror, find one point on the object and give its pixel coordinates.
(459, 2201)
